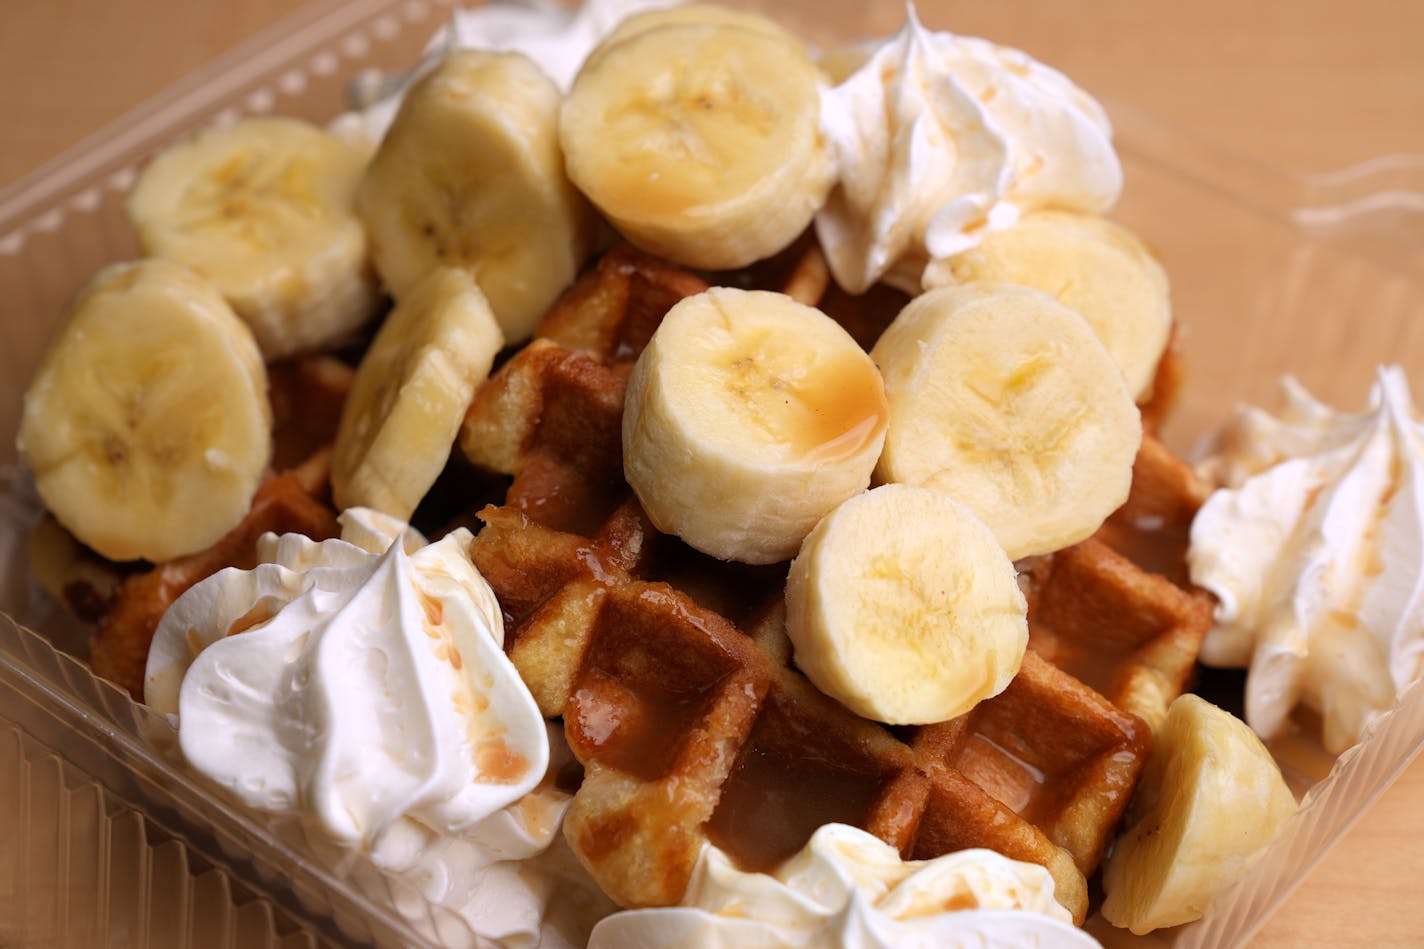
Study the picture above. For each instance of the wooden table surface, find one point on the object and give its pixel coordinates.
(1308, 85)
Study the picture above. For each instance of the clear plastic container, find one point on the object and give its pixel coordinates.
(108, 840)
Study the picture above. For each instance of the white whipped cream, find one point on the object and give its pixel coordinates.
(847, 888)
(556, 37)
(938, 137)
(1315, 550)
(558, 40)
(363, 689)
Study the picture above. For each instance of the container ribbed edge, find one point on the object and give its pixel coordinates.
(71, 731)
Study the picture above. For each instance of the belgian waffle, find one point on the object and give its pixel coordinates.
(307, 395)
(671, 670)
(1118, 611)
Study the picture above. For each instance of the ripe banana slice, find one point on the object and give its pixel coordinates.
(263, 209)
(1090, 265)
(903, 607)
(1210, 800)
(470, 175)
(147, 424)
(700, 141)
(1004, 399)
(410, 393)
(748, 417)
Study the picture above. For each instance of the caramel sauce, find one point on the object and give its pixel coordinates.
(773, 802)
(1373, 565)
(1344, 619)
(498, 764)
(549, 495)
(606, 834)
(447, 652)
(844, 409)
(434, 609)
(1153, 543)
(264, 610)
(1097, 664)
(632, 729)
(1008, 778)
(819, 413)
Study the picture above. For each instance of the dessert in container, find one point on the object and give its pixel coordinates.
(112, 840)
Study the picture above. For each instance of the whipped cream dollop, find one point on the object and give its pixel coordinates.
(939, 137)
(1315, 551)
(556, 37)
(846, 888)
(360, 685)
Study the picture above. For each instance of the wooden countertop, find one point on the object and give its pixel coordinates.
(1308, 85)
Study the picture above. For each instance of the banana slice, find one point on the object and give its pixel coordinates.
(700, 141)
(470, 176)
(1090, 265)
(902, 606)
(1004, 399)
(147, 424)
(1210, 801)
(410, 394)
(263, 209)
(748, 417)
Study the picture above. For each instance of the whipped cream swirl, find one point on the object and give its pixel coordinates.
(939, 137)
(1315, 550)
(360, 686)
(846, 888)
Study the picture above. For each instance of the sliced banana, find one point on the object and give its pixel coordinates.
(263, 209)
(902, 606)
(700, 141)
(147, 424)
(1211, 799)
(1004, 399)
(748, 417)
(1089, 264)
(470, 175)
(410, 394)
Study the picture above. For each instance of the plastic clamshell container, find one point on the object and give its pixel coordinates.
(109, 840)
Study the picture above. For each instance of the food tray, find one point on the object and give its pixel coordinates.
(108, 841)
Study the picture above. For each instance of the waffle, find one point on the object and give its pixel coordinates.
(672, 671)
(1153, 527)
(307, 395)
(1166, 387)
(1118, 610)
